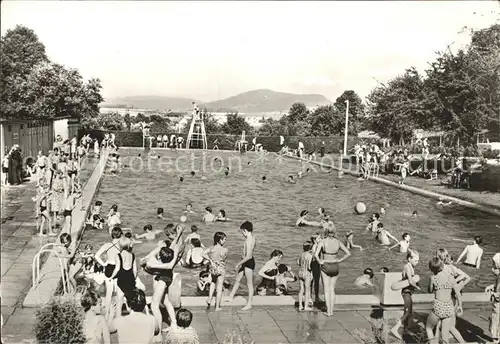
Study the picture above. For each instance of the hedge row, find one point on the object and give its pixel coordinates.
(332, 144)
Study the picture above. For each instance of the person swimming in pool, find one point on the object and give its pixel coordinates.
(303, 221)
(350, 241)
(373, 222)
(194, 256)
(382, 235)
(290, 179)
(472, 253)
(208, 217)
(404, 244)
(160, 213)
(221, 217)
(189, 209)
(149, 233)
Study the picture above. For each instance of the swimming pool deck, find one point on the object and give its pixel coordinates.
(275, 324)
(19, 242)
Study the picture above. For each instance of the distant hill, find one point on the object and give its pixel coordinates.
(151, 102)
(264, 101)
(257, 101)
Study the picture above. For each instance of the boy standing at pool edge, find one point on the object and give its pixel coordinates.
(246, 265)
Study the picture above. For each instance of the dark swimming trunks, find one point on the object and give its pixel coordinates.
(108, 270)
(5, 169)
(470, 265)
(66, 212)
(330, 269)
(43, 208)
(250, 264)
(166, 276)
(267, 283)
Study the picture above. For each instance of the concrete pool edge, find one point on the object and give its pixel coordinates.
(50, 274)
(491, 209)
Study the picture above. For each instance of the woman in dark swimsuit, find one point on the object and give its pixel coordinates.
(125, 273)
(326, 255)
(161, 262)
(303, 221)
(112, 250)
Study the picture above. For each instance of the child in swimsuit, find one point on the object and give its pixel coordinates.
(282, 279)
(189, 209)
(193, 235)
(350, 241)
(194, 256)
(208, 217)
(69, 206)
(221, 217)
(42, 209)
(403, 244)
(247, 264)
(270, 270)
(365, 280)
(41, 163)
(216, 256)
(305, 277)
(408, 274)
(442, 284)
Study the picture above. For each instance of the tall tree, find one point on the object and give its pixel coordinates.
(356, 110)
(325, 121)
(397, 108)
(298, 112)
(20, 52)
(235, 124)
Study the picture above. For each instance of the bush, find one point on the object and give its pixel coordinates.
(60, 321)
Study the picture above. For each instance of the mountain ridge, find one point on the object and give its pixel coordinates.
(254, 101)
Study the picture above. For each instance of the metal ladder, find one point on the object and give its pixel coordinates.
(197, 137)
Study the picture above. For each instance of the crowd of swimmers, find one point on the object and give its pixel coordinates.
(116, 276)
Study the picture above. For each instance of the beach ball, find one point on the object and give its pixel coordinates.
(183, 218)
(360, 208)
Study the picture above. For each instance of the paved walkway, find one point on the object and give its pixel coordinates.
(271, 325)
(19, 244)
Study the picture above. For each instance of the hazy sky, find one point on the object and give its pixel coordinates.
(211, 50)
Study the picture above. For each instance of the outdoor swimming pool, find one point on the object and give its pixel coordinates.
(273, 208)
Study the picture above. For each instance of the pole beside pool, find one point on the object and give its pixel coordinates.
(346, 126)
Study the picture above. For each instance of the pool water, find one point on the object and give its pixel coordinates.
(273, 208)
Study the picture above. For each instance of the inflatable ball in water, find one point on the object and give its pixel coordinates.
(183, 218)
(360, 208)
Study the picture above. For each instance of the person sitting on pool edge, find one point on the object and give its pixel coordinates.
(208, 217)
(303, 221)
